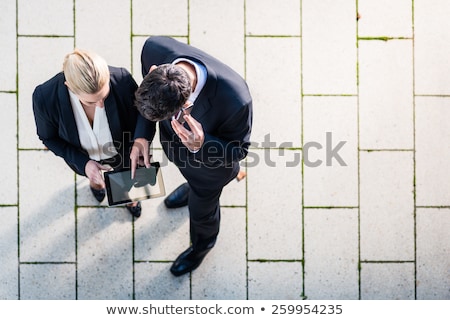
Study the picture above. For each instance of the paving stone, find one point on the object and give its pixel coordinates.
(8, 123)
(55, 17)
(160, 233)
(431, 49)
(387, 281)
(9, 254)
(276, 100)
(210, 22)
(108, 34)
(384, 18)
(105, 257)
(47, 55)
(150, 18)
(46, 208)
(263, 17)
(274, 207)
(386, 94)
(8, 64)
(331, 254)
(432, 153)
(387, 206)
(329, 47)
(373, 229)
(222, 274)
(153, 281)
(275, 280)
(47, 282)
(235, 193)
(330, 151)
(433, 254)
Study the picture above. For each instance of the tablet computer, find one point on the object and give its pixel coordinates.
(147, 183)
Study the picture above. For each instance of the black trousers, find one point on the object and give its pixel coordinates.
(206, 185)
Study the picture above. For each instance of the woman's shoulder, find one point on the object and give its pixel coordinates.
(121, 77)
(51, 86)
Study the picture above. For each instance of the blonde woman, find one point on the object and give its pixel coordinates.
(85, 115)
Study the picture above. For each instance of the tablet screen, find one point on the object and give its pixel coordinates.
(147, 183)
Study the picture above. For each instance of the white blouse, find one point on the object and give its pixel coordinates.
(96, 140)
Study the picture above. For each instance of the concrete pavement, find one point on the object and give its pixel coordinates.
(347, 194)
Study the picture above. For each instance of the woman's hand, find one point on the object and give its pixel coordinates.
(93, 171)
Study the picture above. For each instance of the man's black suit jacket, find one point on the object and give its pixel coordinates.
(223, 107)
(55, 121)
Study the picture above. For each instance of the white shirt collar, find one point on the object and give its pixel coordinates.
(96, 140)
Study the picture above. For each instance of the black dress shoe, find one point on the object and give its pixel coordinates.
(187, 261)
(136, 210)
(178, 198)
(98, 194)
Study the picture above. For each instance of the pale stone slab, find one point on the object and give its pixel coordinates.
(107, 34)
(431, 47)
(387, 281)
(331, 254)
(385, 18)
(46, 17)
(275, 87)
(222, 275)
(432, 151)
(235, 193)
(275, 280)
(46, 208)
(271, 17)
(387, 206)
(210, 22)
(160, 17)
(138, 44)
(275, 205)
(105, 254)
(46, 56)
(330, 151)
(433, 254)
(9, 254)
(8, 63)
(153, 281)
(8, 123)
(47, 282)
(329, 53)
(386, 94)
(160, 233)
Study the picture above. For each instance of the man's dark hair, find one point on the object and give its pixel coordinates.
(163, 92)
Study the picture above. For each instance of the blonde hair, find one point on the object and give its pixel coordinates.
(85, 72)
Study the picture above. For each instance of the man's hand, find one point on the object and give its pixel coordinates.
(93, 171)
(193, 139)
(139, 155)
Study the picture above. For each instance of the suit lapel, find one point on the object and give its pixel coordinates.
(113, 116)
(201, 104)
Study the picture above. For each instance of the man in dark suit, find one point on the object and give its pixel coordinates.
(86, 115)
(204, 110)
